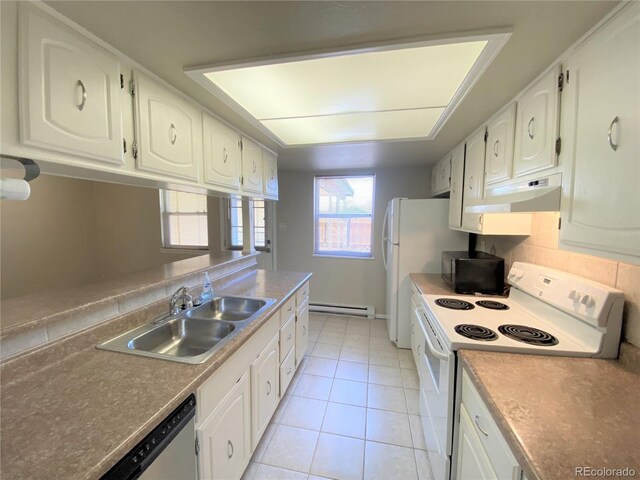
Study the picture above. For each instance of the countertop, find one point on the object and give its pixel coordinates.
(559, 413)
(77, 417)
(431, 284)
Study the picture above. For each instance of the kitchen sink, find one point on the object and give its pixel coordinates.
(191, 336)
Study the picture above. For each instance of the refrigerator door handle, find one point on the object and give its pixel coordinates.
(384, 239)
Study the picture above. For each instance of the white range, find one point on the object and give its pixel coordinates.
(548, 312)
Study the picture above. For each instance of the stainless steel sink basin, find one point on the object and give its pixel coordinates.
(191, 336)
(231, 309)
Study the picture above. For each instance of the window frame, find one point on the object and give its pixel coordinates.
(228, 226)
(316, 216)
(165, 231)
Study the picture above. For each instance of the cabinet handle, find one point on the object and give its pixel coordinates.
(174, 134)
(225, 155)
(475, 419)
(530, 127)
(304, 330)
(84, 95)
(289, 371)
(273, 174)
(254, 166)
(614, 122)
(289, 337)
(495, 148)
(229, 449)
(471, 182)
(268, 387)
(418, 349)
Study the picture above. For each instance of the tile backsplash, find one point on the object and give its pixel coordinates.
(541, 248)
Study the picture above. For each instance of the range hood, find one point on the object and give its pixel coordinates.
(539, 195)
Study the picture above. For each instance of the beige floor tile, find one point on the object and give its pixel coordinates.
(385, 397)
(351, 393)
(336, 325)
(385, 358)
(310, 347)
(316, 477)
(249, 471)
(386, 462)
(267, 472)
(378, 332)
(347, 420)
(355, 371)
(326, 350)
(313, 386)
(385, 375)
(406, 359)
(388, 427)
(282, 405)
(422, 465)
(304, 413)
(378, 323)
(313, 336)
(264, 442)
(410, 379)
(358, 329)
(325, 367)
(413, 401)
(338, 457)
(335, 338)
(417, 434)
(383, 344)
(291, 448)
(354, 354)
(354, 340)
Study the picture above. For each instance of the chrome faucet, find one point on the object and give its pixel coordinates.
(181, 296)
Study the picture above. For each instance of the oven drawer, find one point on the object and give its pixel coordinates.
(502, 460)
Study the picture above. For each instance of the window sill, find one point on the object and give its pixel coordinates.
(194, 251)
(343, 257)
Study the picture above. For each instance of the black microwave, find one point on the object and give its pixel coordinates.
(476, 272)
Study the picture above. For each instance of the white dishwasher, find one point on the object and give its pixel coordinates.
(167, 453)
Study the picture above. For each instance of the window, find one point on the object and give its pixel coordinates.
(343, 216)
(184, 220)
(235, 224)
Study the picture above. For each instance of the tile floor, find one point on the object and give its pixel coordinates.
(351, 411)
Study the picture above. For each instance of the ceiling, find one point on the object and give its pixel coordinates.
(168, 36)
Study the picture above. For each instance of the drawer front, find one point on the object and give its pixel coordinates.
(287, 336)
(287, 370)
(287, 310)
(302, 294)
(502, 460)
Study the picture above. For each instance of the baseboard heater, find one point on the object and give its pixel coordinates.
(368, 311)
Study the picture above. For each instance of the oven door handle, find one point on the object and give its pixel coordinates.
(433, 350)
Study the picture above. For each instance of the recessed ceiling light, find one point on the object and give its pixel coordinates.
(393, 92)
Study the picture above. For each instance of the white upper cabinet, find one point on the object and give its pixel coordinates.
(270, 180)
(251, 166)
(537, 126)
(441, 176)
(457, 179)
(601, 133)
(500, 137)
(168, 131)
(69, 91)
(222, 154)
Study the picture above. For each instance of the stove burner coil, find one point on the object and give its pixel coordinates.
(492, 305)
(530, 335)
(476, 332)
(454, 304)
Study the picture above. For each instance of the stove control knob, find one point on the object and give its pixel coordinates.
(574, 295)
(587, 301)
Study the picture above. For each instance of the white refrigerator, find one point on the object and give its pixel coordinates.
(414, 234)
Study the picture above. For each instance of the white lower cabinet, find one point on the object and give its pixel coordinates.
(224, 438)
(302, 330)
(473, 463)
(265, 390)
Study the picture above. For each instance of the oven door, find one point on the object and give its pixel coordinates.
(436, 368)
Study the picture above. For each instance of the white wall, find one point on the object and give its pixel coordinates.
(344, 281)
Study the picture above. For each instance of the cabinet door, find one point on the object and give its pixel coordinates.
(445, 174)
(168, 131)
(499, 156)
(473, 463)
(225, 436)
(265, 376)
(435, 171)
(537, 126)
(270, 180)
(601, 116)
(302, 331)
(222, 154)
(69, 91)
(457, 181)
(251, 166)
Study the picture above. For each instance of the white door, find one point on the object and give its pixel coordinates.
(601, 115)
(270, 172)
(537, 126)
(168, 131)
(222, 154)
(265, 388)
(225, 436)
(251, 166)
(265, 233)
(457, 181)
(473, 462)
(69, 91)
(499, 155)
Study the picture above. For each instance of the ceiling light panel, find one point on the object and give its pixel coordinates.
(420, 77)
